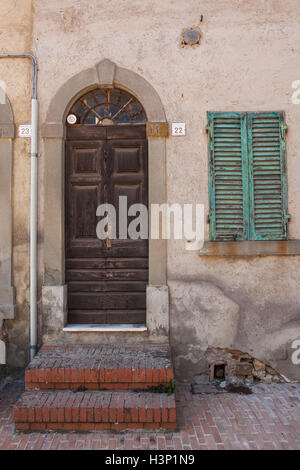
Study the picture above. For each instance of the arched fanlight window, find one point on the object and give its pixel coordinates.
(107, 106)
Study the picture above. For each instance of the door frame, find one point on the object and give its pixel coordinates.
(54, 311)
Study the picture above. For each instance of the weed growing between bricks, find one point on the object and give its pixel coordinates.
(168, 387)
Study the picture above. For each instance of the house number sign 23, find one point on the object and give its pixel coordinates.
(24, 130)
(178, 129)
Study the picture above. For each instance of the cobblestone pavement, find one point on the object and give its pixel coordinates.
(267, 419)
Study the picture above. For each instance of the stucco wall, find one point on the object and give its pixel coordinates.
(16, 21)
(247, 60)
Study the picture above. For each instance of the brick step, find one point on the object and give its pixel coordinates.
(94, 410)
(99, 367)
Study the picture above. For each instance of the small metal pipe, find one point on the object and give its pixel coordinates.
(34, 68)
(33, 228)
(33, 200)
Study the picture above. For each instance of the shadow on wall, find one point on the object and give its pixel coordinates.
(202, 316)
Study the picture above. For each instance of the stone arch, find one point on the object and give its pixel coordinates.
(106, 74)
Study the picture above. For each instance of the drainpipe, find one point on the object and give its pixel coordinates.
(33, 201)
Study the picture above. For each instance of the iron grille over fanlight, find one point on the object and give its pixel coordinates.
(108, 106)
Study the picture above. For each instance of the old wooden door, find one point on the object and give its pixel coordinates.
(106, 282)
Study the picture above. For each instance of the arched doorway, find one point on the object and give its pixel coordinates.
(56, 327)
(106, 158)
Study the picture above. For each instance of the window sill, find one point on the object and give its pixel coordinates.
(251, 248)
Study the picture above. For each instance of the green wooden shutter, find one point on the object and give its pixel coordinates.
(228, 176)
(267, 176)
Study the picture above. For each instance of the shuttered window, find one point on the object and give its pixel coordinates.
(247, 176)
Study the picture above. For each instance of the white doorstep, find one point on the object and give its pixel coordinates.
(90, 328)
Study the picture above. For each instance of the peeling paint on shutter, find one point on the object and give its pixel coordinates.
(247, 176)
(267, 176)
(228, 176)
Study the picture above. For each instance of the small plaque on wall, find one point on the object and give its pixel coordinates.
(25, 130)
(178, 129)
(157, 129)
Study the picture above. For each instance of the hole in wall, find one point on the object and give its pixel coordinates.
(219, 371)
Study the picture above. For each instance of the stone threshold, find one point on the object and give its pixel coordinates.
(92, 328)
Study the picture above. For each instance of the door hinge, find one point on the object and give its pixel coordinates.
(283, 130)
(286, 219)
(209, 130)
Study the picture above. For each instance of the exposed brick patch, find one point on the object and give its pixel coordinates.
(239, 364)
(85, 410)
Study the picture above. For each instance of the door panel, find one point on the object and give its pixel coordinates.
(106, 300)
(106, 316)
(106, 282)
(107, 286)
(84, 205)
(110, 274)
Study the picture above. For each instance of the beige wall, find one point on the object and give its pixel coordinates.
(247, 60)
(16, 21)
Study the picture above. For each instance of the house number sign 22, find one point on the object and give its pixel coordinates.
(178, 129)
